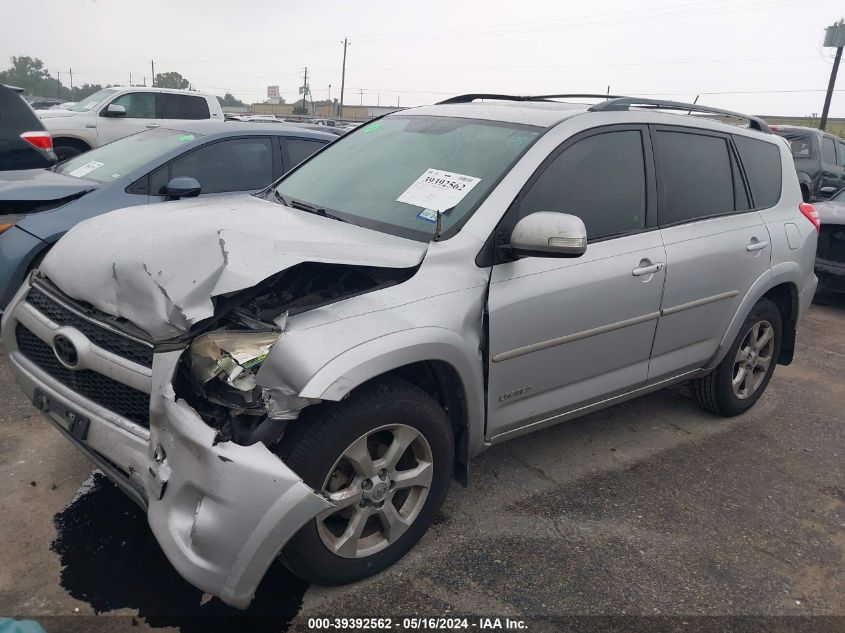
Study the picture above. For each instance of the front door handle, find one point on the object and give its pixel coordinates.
(647, 270)
(153, 125)
(756, 246)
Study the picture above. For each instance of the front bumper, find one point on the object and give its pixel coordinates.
(221, 513)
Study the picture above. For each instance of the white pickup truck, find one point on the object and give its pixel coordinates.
(113, 113)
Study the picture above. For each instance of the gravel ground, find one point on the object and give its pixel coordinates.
(651, 508)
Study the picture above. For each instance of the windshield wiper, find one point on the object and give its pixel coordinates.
(309, 208)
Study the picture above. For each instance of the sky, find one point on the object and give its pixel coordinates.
(756, 56)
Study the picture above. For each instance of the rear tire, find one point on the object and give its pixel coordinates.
(346, 450)
(744, 373)
(69, 149)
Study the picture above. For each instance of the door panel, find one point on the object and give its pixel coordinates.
(140, 115)
(709, 270)
(564, 332)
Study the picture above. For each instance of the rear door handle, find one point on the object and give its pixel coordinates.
(153, 125)
(756, 246)
(647, 270)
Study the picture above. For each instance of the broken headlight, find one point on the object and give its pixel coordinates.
(230, 356)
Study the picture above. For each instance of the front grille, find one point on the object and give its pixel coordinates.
(831, 243)
(114, 396)
(101, 337)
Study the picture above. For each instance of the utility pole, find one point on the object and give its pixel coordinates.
(343, 78)
(361, 91)
(834, 37)
(305, 88)
(153, 69)
(830, 85)
(59, 81)
(130, 80)
(70, 70)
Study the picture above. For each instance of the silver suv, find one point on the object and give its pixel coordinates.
(300, 374)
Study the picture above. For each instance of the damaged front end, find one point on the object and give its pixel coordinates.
(216, 374)
(221, 502)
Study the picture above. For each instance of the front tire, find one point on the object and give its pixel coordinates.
(745, 371)
(384, 456)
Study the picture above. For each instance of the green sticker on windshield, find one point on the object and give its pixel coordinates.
(186, 137)
(520, 139)
(372, 127)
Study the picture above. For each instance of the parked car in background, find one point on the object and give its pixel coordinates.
(819, 159)
(45, 104)
(830, 253)
(203, 158)
(112, 113)
(302, 372)
(337, 131)
(24, 143)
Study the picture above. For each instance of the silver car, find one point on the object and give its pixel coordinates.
(300, 374)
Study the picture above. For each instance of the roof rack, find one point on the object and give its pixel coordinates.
(616, 103)
(468, 98)
(624, 103)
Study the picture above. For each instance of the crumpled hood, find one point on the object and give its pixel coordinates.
(831, 212)
(159, 265)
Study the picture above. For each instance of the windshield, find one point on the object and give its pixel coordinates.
(431, 163)
(90, 102)
(117, 159)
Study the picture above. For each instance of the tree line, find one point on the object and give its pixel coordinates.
(30, 74)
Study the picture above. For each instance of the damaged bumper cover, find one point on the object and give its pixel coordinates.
(220, 512)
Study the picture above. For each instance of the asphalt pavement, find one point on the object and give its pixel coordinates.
(651, 508)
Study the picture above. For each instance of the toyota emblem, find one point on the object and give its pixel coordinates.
(65, 351)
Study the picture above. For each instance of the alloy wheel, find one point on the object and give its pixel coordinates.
(378, 486)
(753, 359)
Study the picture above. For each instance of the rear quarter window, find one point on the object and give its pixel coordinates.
(763, 168)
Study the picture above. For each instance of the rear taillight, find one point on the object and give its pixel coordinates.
(39, 140)
(809, 212)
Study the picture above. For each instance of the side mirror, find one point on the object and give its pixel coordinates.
(827, 192)
(182, 187)
(115, 109)
(547, 234)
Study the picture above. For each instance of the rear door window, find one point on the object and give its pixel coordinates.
(184, 107)
(828, 151)
(763, 168)
(695, 176)
(241, 164)
(301, 148)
